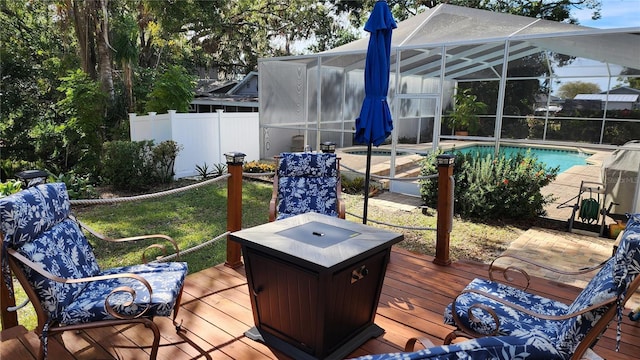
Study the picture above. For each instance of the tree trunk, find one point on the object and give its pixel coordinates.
(83, 26)
(104, 49)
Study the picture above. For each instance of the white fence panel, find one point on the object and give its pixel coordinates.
(197, 134)
(240, 132)
(150, 127)
(204, 137)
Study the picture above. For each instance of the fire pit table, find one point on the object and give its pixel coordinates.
(315, 283)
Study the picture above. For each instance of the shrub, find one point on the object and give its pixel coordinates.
(10, 187)
(164, 157)
(136, 165)
(258, 167)
(219, 169)
(352, 186)
(78, 186)
(172, 90)
(128, 165)
(490, 187)
(204, 172)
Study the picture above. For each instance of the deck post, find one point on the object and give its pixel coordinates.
(234, 206)
(445, 208)
(9, 318)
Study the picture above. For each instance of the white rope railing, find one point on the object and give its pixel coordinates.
(148, 196)
(194, 248)
(244, 174)
(381, 177)
(258, 175)
(394, 225)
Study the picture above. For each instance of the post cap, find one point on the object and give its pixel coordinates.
(445, 159)
(235, 158)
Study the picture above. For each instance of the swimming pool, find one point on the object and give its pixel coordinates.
(564, 159)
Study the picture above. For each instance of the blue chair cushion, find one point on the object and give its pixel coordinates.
(65, 252)
(610, 283)
(308, 165)
(299, 195)
(30, 212)
(511, 321)
(37, 225)
(307, 182)
(489, 348)
(166, 280)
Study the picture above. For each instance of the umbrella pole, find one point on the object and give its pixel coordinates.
(367, 179)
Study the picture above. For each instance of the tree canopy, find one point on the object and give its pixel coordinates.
(570, 89)
(73, 69)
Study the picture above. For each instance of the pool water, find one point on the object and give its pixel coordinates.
(564, 159)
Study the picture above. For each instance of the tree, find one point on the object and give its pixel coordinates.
(90, 19)
(173, 90)
(570, 89)
(32, 57)
(83, 131)
(234, 34)
(633, 82)
(558, 10)
(126, 51)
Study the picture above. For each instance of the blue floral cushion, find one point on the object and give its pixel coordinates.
(63, 251)
(494, 348)
(28, 213)
(37, 225)
(307, 182)
(511, 321)
(572, 331)
(627, 265)
(611, 282)
(166, 280)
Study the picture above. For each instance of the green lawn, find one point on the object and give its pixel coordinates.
(195, 216)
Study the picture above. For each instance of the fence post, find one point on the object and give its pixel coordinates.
(234, 206)
(445, 208)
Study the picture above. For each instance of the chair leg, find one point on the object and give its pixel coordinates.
(156, 338)
(183, 334)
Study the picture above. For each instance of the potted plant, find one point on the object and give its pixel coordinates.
(464, 118)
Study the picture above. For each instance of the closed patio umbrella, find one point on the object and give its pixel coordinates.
(374, 124)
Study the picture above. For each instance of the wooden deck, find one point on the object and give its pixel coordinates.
(217, 311)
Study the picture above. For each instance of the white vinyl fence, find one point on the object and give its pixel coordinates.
(204, 137)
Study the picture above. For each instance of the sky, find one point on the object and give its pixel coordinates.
(615, 14)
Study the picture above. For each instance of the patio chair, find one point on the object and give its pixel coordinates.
(306, 182)
(489, 308)
(524, 347)
(45, 248)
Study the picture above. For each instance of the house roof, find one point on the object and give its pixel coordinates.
(242, 83)
(610, 97)
(206, 87)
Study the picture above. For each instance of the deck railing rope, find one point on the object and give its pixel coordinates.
(193, 248)
(257, 176)
(147, 196)
(374, 176)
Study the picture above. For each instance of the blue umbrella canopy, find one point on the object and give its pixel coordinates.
(374, 124)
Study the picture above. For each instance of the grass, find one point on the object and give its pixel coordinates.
(197, 215)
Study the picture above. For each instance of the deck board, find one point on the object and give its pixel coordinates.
(216, 310)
